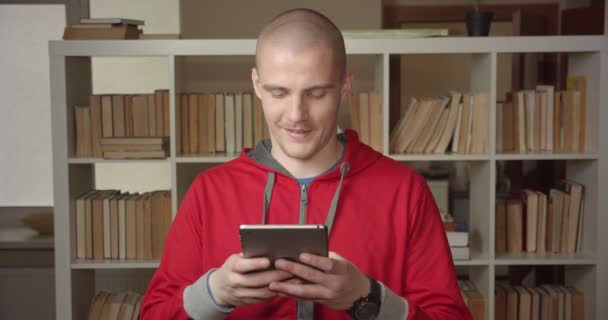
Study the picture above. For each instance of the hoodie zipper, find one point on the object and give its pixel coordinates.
(303, 203)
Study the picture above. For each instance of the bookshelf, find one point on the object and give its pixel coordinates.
(71, 84)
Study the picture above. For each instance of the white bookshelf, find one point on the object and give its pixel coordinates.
(192, 64)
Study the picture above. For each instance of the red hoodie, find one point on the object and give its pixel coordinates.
(386, 224)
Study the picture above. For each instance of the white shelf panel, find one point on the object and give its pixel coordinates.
(440, 157)
(97, 160)
(392, 45)
(114, 264)
(547, 156)
(207, 158)
(545, 259)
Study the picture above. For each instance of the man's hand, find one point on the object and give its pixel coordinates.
(241, 281)
(335, 283)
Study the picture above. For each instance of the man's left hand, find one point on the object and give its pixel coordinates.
(335, 282)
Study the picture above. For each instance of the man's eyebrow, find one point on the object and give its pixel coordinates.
(321, 86)
(270, 87)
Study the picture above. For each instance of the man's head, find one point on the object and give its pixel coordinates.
(301, 77)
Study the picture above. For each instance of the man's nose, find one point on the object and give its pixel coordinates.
(297, 110)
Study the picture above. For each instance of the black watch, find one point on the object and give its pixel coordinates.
(367, 308)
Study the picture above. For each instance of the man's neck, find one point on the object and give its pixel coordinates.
(315, 166)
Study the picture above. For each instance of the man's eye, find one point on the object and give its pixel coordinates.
(317, 94)
(278, 94)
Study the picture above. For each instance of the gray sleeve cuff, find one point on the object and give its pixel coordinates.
(199, 303)
(393, 306)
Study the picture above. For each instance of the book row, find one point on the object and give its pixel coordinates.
(366, 117)
(114, 225)
(458, 123)
(115, 306)
(542, 120)
(541, 223)
(219, 122)
(545, 302)
(109, 116)
(473, 299)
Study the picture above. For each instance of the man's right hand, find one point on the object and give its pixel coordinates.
(241, 281)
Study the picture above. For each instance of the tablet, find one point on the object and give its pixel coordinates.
(276, 241)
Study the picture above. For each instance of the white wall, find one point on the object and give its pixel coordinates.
(134, 75)
(25, 121)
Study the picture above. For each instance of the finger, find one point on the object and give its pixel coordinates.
(301, 271)
(254, 294)
(302, 291)
(335, 255)
(323, 263)
(263, 278)
(244, 265)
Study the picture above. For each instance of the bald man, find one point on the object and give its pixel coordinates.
(389, 257)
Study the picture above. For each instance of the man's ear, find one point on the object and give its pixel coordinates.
(255, 80)
(347, 83)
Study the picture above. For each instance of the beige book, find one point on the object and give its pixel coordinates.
(229, 123)
(438, 131)
(96, 127)
(465, 124)
(131, 226)
(480, 119)
(220, 122)
(210, 106)
(247, 120)
(152, 122)
(422, 112)
(107, 127)
(575, 190)
(128, 306)
(524, 303)
(514, 226)
(153, 141)
(556, 199)
(512, 303)
(448, 133)
(136, 309)
(166, 114)
(184, 123)
(535, 298)
(545, 303)
(161, 221)
(424, 136)
(522, 120)
(129, 116)
(118, 115)
(375, 121)
(538, 122)
(456, 138)
(544, 123)
(567, 123)
(112, 306)
(114, 226)
(508, 132)
(129, 148)
(147, 229)
(140, 209)
(159, 113)
(88, 226)
(549, 94)
(398, 132)
(364, 117)
(122, 226)
(141, 126)
(531, 201)
(563, 248)
(557, 128)
(135, 154)
(193, 123)
(579, 84)
(576, 121)
(578, 303)
(97, 225)
(541, 231)
(258, 120)
(97, 305)
(107, 221)
(82, 115)
(501, 227)
(500, 303)
(80, 218)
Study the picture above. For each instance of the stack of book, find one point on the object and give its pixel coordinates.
(541, 224)
(458, 237)
(115, 225)
(543, 120)
(458, 122)
(542, 302)
(115, 306)
(135, 148)
(219, 122)
(473, 299)
(366, 115)
(120, 116)
(103, 29)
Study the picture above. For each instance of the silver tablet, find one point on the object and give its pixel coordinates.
(283, 240)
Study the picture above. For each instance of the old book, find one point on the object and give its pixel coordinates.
(88, 226)
(512, 303)
(193, 123)
(514, 226)
(107, 225)
(375, 121)
(508, 132)
(578, 303)
(136, 309)
(98, 225)
(135, 154)
(127, 148)
(183, 132)
(448, 132)
(247, 120)
(82, 116)
(114, 226)
(436, 109)
(524, 306)
(397, 142)
(229, 123)
(112, 306)
(203, 137)
(129, 116)
(530, 112)
(220, 123)
(538, 122)
(501, 227)
(567, 116)
(131, 225)
(474, 300)
(166, 114)
(563, 248)
(556, 199)
(258, 120)
(439, 129)
(159, 36)
(576, 121)
(541, 231)
(122, 226)
(535, 300)
(545, 304)
(140, 209)
(500, 303)
(127, 308)
(130, 141)
(364, 120)
(152, 125)
(80, 218)
(97, 305)
(147, 229)
(579, 84)
(530, 200)
(575, 190)
(96, 126)
(159, 113)
(210, 106)
(456, 138)
(465, 124)
(480, 120)
(557, 129)
(422, 112)
(550, 95)
(141, 126)
(118, 115)
(238, 122)
(119, 32)
(161, 221)
(522, 119)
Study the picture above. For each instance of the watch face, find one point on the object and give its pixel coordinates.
(366, 311)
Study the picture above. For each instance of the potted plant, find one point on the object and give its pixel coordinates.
(478, 22)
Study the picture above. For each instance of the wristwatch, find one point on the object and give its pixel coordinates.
(367, 308)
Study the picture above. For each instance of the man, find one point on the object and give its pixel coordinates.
(389, 255)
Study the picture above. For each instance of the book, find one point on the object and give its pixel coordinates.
(111, 21)
(81, 225)
(135, 154)
(152, 121)
(96, 129)
(458, 238)
(460, 253)
(480, 120)
(211, 131)
(220, 123)
(184, 124)
(448, 133)
(575, 191)
(524, 303)
(229, 123)
(131, 226)
(159, 36)
(161, 221)
(97, 304)
(500, 303)
(501, 227)
(118, 115)
(127, 308)
(193, 123)
(202, 112)
(514, 226)
(530, 199)
(159, 113)
(82, 115)
(141, 127)
(579, 84)
(122, 226)
(120, 32)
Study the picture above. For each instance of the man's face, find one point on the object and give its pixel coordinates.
(300, 92)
